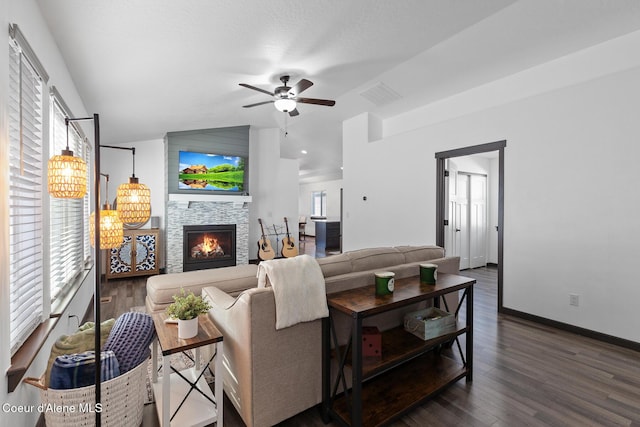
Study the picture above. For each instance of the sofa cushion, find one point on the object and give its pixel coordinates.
(130, 339)
(342, 282)
(232, 280)
(335, 264)
(374, 258)
(420, 253)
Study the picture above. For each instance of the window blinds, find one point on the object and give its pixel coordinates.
(25, 197)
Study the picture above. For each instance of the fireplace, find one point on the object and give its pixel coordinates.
(208, 246)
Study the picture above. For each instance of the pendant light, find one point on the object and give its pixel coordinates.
(111, 226)
(67, 174)
(133, 200)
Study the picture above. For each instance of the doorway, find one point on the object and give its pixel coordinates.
(467, 210)
(446, 234)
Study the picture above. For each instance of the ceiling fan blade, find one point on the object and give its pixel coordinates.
(256, 88)
(294, 112)
(258, 103)
(327, 102)
(302, 85)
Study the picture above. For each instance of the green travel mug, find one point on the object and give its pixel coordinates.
(384, 282)
(428, 273)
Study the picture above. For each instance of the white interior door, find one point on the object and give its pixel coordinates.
(466, 232)
(457, 230)
(461, 220)
(477, 221)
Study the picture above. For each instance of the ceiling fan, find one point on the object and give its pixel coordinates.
(286, 97)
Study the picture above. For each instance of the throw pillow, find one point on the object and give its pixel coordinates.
(82, 340)
(130, 339)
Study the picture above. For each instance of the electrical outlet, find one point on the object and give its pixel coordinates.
(574, 299)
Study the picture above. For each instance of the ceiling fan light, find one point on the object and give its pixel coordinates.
(285, 105)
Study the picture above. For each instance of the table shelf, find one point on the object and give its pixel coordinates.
(399, 345)
(197, 410)
(396, 391)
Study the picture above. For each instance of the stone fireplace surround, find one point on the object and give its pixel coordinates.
(181, 213)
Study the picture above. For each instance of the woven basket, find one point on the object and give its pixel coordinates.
(122, 400)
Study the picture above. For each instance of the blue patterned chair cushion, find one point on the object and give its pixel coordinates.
(130, 339)
(79, 370)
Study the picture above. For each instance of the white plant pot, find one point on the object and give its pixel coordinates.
(187, 328)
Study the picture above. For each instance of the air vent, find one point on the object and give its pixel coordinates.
(380, 94)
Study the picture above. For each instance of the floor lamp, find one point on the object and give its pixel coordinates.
(61, 174)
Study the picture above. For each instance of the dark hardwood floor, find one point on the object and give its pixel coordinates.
(524, 373)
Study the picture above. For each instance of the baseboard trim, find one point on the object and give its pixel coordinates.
(609, 339)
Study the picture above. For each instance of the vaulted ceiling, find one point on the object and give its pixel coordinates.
(153, 66)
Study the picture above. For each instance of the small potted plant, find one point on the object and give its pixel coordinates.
(186, 307)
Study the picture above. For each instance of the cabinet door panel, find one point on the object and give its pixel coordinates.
(121, 259)
(146, 252)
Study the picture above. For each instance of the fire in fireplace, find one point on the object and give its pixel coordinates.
(208, 246)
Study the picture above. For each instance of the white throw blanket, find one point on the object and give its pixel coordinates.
(298, 287)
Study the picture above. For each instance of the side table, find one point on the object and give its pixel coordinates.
(184, 398)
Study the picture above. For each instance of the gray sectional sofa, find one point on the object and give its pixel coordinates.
(271, 375)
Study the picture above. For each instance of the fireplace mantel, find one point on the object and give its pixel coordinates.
(209, 198)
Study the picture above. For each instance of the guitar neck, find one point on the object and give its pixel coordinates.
(286, 223)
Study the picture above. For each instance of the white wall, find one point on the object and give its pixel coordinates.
(397, 178)
(570, 160)
(26, 14)
(273, 186)
(333, 201)
(473, 164)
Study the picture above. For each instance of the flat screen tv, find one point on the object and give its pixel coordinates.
(210, 172)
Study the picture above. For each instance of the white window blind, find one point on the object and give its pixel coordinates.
(67, 216)
(25, 196)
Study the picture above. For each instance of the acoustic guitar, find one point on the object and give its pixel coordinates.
(265, 251)
(288, 246)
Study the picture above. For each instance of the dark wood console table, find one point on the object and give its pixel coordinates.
(410, 371)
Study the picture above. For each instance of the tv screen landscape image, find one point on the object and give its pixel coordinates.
(210, 172)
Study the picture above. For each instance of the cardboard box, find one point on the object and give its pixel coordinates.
(371, 343)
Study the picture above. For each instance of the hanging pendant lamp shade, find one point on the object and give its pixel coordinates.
(133, 202)
(111, 228)
(67, 176)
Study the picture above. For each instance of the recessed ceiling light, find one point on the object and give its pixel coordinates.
(304, 151)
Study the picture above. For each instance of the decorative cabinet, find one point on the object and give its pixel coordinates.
(137, 256)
